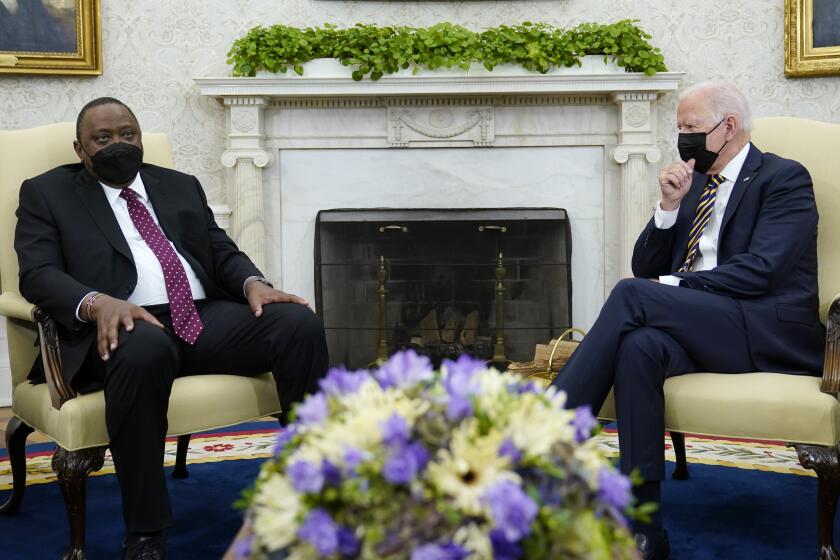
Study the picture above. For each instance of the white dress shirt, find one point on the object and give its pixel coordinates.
(151, 287)
(706, 258)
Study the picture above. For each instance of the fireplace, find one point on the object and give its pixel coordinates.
(438, 280)
(583, 139)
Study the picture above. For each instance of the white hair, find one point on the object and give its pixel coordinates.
(723, 98)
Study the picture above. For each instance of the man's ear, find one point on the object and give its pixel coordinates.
(732, 126)
(77, 146)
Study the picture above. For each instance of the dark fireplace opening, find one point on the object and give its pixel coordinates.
(440, 280)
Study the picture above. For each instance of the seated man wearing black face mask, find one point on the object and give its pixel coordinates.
(145, 287)
(732, 253)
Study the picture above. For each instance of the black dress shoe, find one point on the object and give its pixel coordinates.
(654, 548)
(145, 548)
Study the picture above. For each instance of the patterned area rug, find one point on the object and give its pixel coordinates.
(256, 441)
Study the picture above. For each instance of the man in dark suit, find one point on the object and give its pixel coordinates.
(144, 287)
(726, 281)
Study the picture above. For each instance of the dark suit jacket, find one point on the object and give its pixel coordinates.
(69, 243)
(767, 260)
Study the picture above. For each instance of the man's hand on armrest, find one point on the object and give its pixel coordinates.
(111, 313)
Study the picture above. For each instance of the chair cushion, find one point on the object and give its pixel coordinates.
(768, 406)
(197, 403)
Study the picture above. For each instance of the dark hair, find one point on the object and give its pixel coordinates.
(96, 103)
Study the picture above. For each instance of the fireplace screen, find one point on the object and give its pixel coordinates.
(488, 282)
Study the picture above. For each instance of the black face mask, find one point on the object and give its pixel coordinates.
(118, 163)
(693, 145)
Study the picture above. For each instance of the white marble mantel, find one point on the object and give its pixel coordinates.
(325, 109)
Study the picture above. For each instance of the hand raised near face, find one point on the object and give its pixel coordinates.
(674, 182)
(112, 313)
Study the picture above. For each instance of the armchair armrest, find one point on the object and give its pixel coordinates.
(831, 370)
(13, 305)
(60, 390)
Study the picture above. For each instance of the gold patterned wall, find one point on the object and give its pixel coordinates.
(152, 50)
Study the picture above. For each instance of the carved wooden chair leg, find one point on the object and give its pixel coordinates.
(180, 470)
(16, 434)
(681, 470)
(825, 461)
(73, 468)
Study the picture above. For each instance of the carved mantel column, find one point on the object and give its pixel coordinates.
(635, 150)
(247, 155)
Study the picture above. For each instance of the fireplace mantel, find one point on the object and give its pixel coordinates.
(479, 109)
(447, 82)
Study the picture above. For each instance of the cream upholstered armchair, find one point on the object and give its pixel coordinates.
(77, 422)
(801, 410)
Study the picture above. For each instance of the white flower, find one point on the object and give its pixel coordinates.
(471, 466)
(360, 424)
(592, 462)
(475, 541)
(534, 426)
(276, 507)
(555, 397)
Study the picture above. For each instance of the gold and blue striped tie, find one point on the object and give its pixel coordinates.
(701, 218)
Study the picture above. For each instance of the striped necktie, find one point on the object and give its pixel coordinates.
(701, 218)
(185, 319)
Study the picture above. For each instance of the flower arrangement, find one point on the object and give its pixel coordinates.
(465, 463)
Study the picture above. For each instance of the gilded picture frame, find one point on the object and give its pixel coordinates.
(812, 38)
(50, 37)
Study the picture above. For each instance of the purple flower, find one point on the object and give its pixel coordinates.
(313, 410)
(420, 454)
(465, 365)
(513, 510)
(340, 382)
(332, 474)
(404, 369)
(458, 407)
(306, 477)
(614, 489)
(403, 465)
(527, 387)
(354, 457)
(284, 436)
(503, 549)
(242, 548)
(319, 530)
(508, 449)
(448, 551)
(348, 544)
(395, 431)
(584, 422)
(459, 385)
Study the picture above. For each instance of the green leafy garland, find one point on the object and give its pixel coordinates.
(375, 51)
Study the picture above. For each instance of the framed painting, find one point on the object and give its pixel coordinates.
(50, 37)
(812, 37)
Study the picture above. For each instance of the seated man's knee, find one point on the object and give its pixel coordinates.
(627, 285)
(626, 290)
(146, 348)
(642, 339)
(299, 319)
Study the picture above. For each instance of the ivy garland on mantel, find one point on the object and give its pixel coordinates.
(375, 51)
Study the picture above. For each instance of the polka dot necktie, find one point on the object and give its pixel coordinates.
(185, 319)
(701, 219)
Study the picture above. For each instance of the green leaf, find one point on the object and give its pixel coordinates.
(383, 50)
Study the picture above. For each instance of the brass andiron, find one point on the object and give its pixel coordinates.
(499, 358)
(382, 349)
